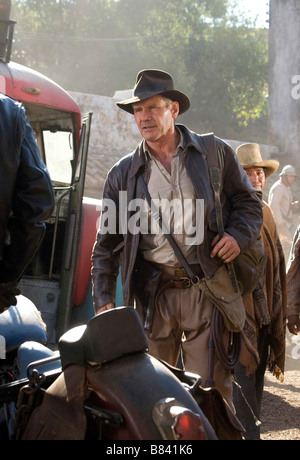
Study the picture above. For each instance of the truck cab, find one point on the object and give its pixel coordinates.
(58, 279)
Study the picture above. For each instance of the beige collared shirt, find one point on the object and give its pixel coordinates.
(174, 194)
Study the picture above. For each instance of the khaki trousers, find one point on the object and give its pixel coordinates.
(181, 323)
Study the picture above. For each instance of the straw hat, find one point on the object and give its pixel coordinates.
(152, 83)
(250, 157)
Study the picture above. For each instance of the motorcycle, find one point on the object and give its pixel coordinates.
(100, 384)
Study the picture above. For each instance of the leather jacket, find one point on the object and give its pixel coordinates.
(27, 197)
(242, 214)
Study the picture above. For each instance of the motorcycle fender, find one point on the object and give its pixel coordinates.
(132, 386)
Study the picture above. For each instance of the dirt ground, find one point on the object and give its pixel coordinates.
(280, 415)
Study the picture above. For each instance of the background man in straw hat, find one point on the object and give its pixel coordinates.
(172, 160)
(263, 338)
(283, 207)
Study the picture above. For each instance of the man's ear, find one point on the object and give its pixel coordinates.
(175, 109)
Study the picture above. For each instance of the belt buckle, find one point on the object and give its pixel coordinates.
(189, 282)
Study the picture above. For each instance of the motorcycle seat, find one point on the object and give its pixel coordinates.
(106, 337)
(20, 323)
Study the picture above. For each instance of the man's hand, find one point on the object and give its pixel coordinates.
(293, 324)
(227, 248)
(108, 306)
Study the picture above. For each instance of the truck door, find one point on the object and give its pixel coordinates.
(73, 233)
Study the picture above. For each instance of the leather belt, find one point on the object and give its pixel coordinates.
(184, 283)
(177, 277)
(179, 272)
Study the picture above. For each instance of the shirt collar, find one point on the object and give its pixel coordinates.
(190, 140)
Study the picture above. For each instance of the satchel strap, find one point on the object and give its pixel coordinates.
(215, 180)
(157, 216)
(215, 177)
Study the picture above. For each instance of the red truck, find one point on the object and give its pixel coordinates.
(58, 280)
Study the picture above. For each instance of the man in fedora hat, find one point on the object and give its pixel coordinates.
(172, 161)
(263, 337)
(283, 207)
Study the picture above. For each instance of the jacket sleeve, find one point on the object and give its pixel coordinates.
(105, 256)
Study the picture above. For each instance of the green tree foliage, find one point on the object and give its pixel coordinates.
(98, 46)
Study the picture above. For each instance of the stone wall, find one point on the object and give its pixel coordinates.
(114, 134)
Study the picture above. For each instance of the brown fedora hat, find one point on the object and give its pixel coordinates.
(154, 82)
(250, 157)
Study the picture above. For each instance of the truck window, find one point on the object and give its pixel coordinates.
(58, 148)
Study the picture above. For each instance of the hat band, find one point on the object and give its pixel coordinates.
(148, 91)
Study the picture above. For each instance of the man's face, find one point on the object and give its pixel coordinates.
(257, 177)
(155, 117)
(290, 179)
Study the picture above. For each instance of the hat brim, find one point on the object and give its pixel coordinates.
(270, 166)
(287, 174)
(178, 96)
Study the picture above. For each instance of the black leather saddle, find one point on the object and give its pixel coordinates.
(106, 337)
